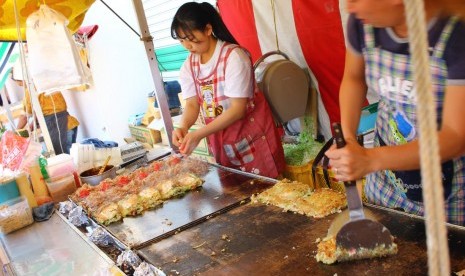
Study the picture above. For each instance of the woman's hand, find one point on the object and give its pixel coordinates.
(189, 142)
(351, 162)
(178, 136)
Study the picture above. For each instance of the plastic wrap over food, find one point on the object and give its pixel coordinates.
(100, 237)
(146, 269)
(77, 216)
(14, 214)
(65, 207)
(128, 258)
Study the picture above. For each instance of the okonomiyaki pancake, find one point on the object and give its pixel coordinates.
(143, 189)
(300, 198)
(130, 205)
(189, 181)
(283, 194)
(107, 214)
(321, 203)
(150, 197)
(329, 253)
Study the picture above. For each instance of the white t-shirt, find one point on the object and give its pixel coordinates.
(238, 78)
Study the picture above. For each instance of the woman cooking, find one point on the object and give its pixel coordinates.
(217, 80)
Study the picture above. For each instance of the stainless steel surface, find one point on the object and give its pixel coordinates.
(222, 190)
(354, 202)
(343, 217)
(53, 248)
(360, 232)
(85, 233)
(363, 233)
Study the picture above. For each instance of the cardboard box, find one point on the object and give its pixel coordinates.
(201, 149)
(158, 125)
(145, 135)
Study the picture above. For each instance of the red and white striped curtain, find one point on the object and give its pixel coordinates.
(310, 32)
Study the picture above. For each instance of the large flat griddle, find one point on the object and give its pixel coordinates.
(263, 240)
(222, 190)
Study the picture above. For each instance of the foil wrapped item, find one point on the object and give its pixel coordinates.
(100, 237)
(146, 269)
(43, 212)
(128, 261)
(77, 216)
(65, 207)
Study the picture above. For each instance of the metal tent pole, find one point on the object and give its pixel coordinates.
(41, 119)
(35, 104)
(156, 74)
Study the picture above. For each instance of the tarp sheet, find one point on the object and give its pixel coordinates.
(9, 54)
(74, 10)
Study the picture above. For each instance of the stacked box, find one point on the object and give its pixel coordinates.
(145, 135)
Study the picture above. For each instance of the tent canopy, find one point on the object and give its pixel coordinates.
(74, 10)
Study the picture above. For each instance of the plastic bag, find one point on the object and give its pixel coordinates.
(13, 150)
(34, 150)
(43, 212)
(54, 61)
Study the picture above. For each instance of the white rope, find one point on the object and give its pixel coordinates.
(24, 72)
(438, 252)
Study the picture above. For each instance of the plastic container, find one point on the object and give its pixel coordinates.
(38, 182)
(8, 189)
(15, 214)
(335, 184)
(25, 189)
(43, 199)
(60, 165)
(61, 186)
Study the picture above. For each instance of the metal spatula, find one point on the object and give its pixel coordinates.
(343, 217)
(358, 232)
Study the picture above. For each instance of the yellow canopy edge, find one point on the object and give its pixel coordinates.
(74, 10)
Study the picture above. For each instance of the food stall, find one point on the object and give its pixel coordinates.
(216, 230)
(212, 230)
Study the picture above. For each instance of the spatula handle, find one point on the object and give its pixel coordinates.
(340, 143)
(338, 136)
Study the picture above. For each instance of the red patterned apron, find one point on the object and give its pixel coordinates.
(251, 144)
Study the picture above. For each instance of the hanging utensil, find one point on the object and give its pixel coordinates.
(359, 232)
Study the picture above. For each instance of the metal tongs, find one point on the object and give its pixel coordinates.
(359, 231)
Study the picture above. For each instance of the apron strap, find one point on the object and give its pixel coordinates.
(369, 36)
(444, 38)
